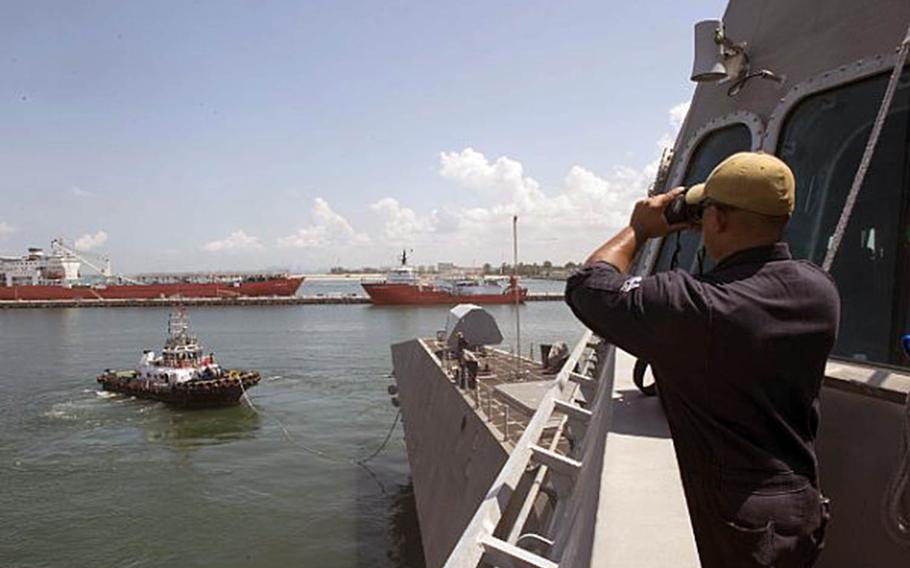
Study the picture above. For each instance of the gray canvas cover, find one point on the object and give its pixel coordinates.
(475, 323)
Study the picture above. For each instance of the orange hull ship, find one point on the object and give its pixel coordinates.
(402, 287)
(275, 286)
(382, 293)
(56, 276)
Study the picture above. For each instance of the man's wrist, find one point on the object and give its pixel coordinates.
(639, 234)
(618, 251)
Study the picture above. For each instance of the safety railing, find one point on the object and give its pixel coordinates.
(503, 415)
(496, 412)
(555, 465)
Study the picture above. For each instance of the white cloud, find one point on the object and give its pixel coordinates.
(678, 114)
(401, 225)
(563, 221)
(89, 241)
(6, 230)
(327, 229)
(79, 192)
(585, 199)
(504, 178)
(236, 241)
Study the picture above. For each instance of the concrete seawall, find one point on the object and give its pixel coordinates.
(237, 301)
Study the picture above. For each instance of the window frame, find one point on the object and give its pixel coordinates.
(683, 155)
(838, 77)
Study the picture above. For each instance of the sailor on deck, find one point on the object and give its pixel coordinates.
(738, 354)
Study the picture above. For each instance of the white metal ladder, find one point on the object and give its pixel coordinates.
(495, 534)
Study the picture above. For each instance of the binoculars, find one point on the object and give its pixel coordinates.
(678, 211)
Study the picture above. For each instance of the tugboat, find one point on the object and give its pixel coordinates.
(181, 375)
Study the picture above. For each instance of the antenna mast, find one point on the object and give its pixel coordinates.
(517, 296)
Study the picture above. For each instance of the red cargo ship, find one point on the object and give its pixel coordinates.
(402, 286)
(55, 276)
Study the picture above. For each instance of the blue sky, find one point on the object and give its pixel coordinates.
(244, 135)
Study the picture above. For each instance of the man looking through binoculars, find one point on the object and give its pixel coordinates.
(738, 354)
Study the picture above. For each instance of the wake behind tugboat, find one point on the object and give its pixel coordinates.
(182, 375)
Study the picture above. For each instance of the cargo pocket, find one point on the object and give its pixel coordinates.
(745, 536)
(747, 546)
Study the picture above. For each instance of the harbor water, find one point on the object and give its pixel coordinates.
(93, 479)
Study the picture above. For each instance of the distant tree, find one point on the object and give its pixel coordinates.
(571, 265)
(487, 268)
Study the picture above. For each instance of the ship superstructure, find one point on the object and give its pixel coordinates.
(60, 266)
(592, 480)
(181, 358)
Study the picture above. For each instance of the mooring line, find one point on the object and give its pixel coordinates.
(384, 442)
(337, 459)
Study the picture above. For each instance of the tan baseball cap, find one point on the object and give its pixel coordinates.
(753, 181)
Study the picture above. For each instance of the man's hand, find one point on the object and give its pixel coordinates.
(648, 220)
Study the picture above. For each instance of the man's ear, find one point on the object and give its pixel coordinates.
(709, 221)
(721, 220)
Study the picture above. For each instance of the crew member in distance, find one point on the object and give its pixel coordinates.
(738, 355)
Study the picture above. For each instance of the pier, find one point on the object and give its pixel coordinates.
(225, 301)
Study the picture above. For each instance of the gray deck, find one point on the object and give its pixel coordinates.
(642, 518)
(524, 396)
(504, 398)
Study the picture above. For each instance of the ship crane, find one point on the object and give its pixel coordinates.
(101, 264)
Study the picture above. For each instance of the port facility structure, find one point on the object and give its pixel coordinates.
(221, 301)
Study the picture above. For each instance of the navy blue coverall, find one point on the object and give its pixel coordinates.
(738, 355)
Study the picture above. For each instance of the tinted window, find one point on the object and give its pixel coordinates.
(710, 152)
(823, 141)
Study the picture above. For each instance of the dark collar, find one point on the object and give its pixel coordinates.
(765, 253)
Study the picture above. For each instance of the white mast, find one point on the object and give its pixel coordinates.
(517, 295)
